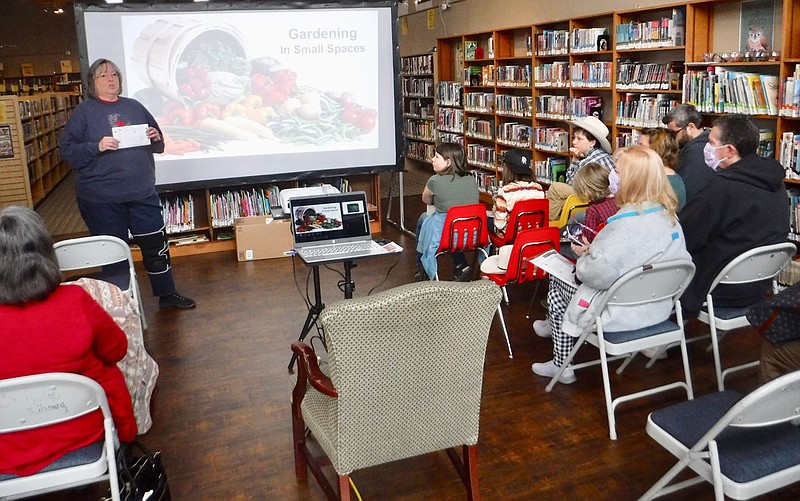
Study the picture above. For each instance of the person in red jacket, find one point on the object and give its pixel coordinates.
(49, 327)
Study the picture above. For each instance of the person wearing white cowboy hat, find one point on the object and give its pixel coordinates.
(589, 145)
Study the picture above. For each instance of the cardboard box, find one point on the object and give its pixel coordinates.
(262, 237)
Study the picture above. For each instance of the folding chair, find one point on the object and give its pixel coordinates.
(743, 445)
(465, 229)
(646, 284)
(528, 245)
(572, 206)
(526, 215)
(96, 251)
(31, 402)
(755, 265)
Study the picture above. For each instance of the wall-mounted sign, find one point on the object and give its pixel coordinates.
(27, 70)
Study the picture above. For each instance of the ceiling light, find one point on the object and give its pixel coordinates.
(113, 1)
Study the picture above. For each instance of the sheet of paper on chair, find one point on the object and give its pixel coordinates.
(557, 265)
(131, 135)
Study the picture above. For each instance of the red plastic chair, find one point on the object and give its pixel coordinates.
(528, 245)
(465, 229)
(526, 215)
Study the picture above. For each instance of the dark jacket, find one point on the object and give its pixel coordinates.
(692, 166)
(743, 206)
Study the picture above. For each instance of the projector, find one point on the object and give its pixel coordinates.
(310, 191)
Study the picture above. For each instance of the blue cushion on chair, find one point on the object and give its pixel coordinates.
(626, 336)
(728, 312)
(746, 454)
(84, 455)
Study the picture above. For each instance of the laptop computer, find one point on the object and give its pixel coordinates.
(332, 227)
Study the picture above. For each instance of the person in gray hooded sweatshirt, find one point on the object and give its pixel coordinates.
(645, 230)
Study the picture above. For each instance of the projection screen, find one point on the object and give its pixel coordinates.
(249, 92)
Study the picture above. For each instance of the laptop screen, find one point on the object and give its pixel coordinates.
(330, 218)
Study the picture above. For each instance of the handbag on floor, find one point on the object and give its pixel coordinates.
(143, 478)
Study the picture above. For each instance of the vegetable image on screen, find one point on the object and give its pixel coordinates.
(205, 92)
(310, 219)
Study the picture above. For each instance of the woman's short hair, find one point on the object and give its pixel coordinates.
(94, 70)
(642, 179)
(665, 143)
(591, 183)
(455, 153)
(28, 266)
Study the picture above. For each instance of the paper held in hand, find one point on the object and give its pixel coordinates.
(556, 265)
(131, 135)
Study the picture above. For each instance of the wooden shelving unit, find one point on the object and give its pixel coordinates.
(419, 114)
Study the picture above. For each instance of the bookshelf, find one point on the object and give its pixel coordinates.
(31, 85)
(30, 127)
(419, 114)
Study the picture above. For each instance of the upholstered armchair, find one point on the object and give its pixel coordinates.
(403, 378)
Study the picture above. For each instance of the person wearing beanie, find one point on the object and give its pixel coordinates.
(519, 184)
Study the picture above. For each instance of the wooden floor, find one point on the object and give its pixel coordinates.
(222, 412)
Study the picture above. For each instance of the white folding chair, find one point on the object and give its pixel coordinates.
(743, 445)
(755, 265)
(646, 284)
(31, 402)
(96, 251)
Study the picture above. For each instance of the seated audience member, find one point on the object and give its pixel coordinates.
(645, 230)
(589, 145)
(687, 124)
(518, 184)
(451, 185)
(46, 327)
(742, 207)
(778, 319)
(664, 142)
(591, 184)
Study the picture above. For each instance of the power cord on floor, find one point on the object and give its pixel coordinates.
(388, 272)
(355, 489)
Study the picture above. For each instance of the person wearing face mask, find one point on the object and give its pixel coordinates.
(589, 145)
(743, 206)
(687, 122)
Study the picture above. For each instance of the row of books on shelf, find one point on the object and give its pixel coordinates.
(518, 106)
(226, 206)
(577, 41)
(513, 76)
(551, 169)
(664, 32)
(718, 90)
(417, 65)
(449, 93)
(587, 74)
(789, 154)
(627, 138)
(420, 129)
(451, 120)
(178, 212)
(449, 137)
(479, 128)
(644, 110)
(420, 109)
(555, 139)
(514, 134)
(418, 87)
(481, 156)
(479, 75)
(568, 108)
(633, 75)
(481, 102)
(790, 95)
(486, 181)
(420, 151)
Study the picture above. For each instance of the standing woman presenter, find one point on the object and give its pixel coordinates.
(115, 185)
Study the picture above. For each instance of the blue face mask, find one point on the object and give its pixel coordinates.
(613, 181)
(710, 155)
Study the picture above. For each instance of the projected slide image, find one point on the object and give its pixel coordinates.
(214, 86)
(317, 218)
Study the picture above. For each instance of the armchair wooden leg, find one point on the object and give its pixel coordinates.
(299, 440)
(344, 487)
(471, 466)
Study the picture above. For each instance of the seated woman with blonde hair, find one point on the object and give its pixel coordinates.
(48, 328)
(645, 230)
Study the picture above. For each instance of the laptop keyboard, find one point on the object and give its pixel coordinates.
(348, 248)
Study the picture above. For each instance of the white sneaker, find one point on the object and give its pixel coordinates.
(550, 369)
(542, 328)
(650, 352)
